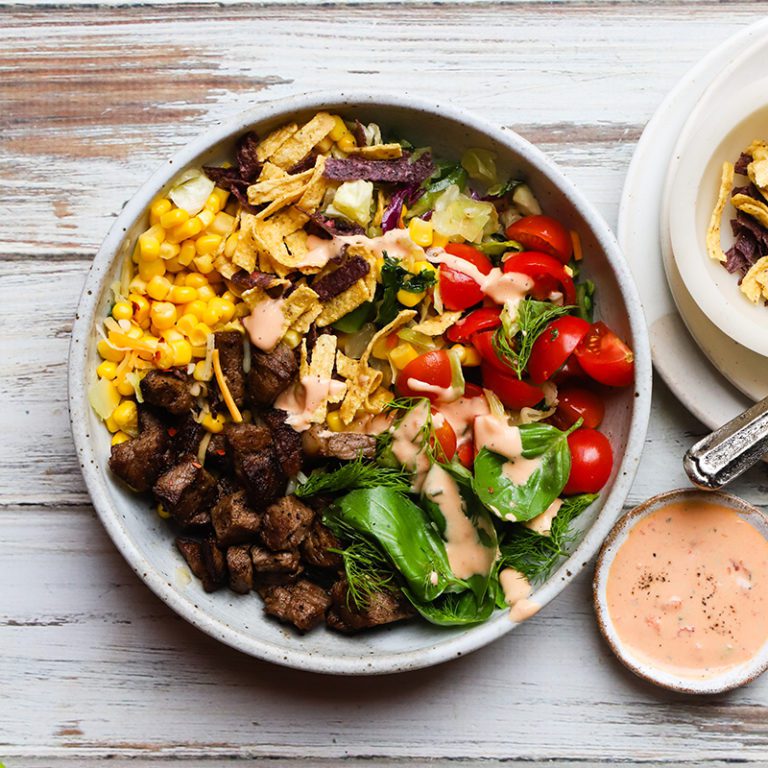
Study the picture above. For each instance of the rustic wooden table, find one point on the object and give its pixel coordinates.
(92, 98)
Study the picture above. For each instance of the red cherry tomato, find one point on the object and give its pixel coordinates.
(542, 233)
(513, 392)
(472, 390)
(433, 368)
(466, 454)
(483, 319)
(591, 461)
(483, 343)
(570, 371)
(605, 357)
(444, 436)
(458, 290)
(576, 403)
(547, 272)
(554, 346)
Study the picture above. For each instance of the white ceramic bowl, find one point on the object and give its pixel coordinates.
(718, 130)
(731, 678)
(146, 541)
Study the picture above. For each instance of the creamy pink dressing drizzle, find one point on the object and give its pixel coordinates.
(396, 243)
(442, 394)
(265, 324)
(542, 524)
(466, 555)
(304, 398)
(517, 590)
(461, 414)
(688, 589)
(408, 445)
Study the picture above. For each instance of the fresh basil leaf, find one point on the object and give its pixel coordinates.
(511, 501)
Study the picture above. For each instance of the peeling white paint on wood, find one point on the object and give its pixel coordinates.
(94, 96)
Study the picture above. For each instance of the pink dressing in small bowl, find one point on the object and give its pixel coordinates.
(681, 591)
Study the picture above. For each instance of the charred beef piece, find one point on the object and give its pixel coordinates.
(285, 524)
(240, 569)
(205, 560)
(286, 439)
(302, 604)
(337, 445)
(233, 520)
(275, 567)
(255, 462)
(243, 439)
(169, 390)
(216, 453)
(383, 608)
(343, 277)
(230, 346)
(315, 546)
(186, 491)
(270, 374)
(139, 462)
(186, 437)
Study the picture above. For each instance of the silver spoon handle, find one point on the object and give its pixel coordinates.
(729, 451)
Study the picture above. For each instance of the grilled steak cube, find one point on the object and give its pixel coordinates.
(302, 604)
(286, 440)
(240, 569)
(384, 607)
(315, 547)
(285, 523)
(205, 561)
(216, 453)
(275, 567)
(168, 390)
(230, 346)
(140, 461)
(262, 477)
(186, 491)
(337, 445)
(215, 564)
(244, 439)
(233, 520)
(186, 437)
(270, 374)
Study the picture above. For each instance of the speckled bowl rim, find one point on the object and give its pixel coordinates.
(388, 662)
(736, 677)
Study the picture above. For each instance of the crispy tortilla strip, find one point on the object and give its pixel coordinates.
(344, 303)
(268, 146)
(757, 170)
(279, 189)
(305, 320)
(437, 326)
(755, 283)
(378, 152)
(301, 143)
(714, 249)
(320, 368)
(751, 207)
(297, 303)
(249, 248)
(271, 171)
(315, 190)
(272, 232)
(376, 402)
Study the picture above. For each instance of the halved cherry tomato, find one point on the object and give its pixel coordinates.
(432, 368)
(443, 435)
(458, 290)
(554, 346)
(483, 343)
(547, 272)
(591, 461)
(542, 233)
(512, 392)
(605, 357)
(570, 371)
(466, 454)
(483, 319)
(576, 403)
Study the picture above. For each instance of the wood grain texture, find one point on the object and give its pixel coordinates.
(93, 96)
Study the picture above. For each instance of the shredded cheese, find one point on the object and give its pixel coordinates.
(224, 389)
(201, 451)
(576, 240)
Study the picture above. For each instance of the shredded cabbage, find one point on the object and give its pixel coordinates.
(103, 397)
(480, 164)
(353, 201)
(458, 214)
(134, 379)
(191, 190)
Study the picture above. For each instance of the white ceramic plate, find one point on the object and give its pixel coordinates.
(677, 358)
(146, 541)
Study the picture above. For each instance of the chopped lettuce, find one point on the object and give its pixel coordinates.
(191, 190)
(480, 164)
(457, 214)
(353, 201)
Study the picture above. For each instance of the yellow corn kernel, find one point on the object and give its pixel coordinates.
(338, 130)
(158, 288)
(149, 248)
(409, 298)
(231, 244)
(163, 315)
(196, 307)
(120, 437)
(222, 225)
(325, 145)
(199, 351)
(173, 266)
(420, 266)
(227, 310)
(163, 512)
(420, 232)
(124, 387)
(196, 280)
(180, 278)
(203, 264)
(182, 294)
(213, 203)
(122, 310)
(207, 244)
(108, 352)
(200, 373)
(468, 356)
(140, 308)
(137, 285)
(347, 142)
(158, 208)
(172, 334)
(381, 348)
(112, 424)
(186, 323)
(205, 293)
(402, 354)
(187, 252)
(292, 339)
(126, 416)
(182, 352)
(206, 217)
(163, 358)
(333, 419)
(438, 240)
(174, 218)
(186, 230)
(229, 296)
(169, 250)
(150, 269)
(211, 316)
(211, 424)
(223, 196)
(199, 335)
(107, 370)
(134, 332)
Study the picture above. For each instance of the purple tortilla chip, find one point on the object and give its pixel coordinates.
(247, 162)
(331, 227)
(742, 163)
(359, 134)
(340, 279)
(736, 262)
(305, 164)
(747, 226)
(400, 170)
(750, 190)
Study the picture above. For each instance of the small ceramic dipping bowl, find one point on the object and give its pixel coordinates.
(724, 678)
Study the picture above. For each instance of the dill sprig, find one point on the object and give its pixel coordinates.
(359, 473)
